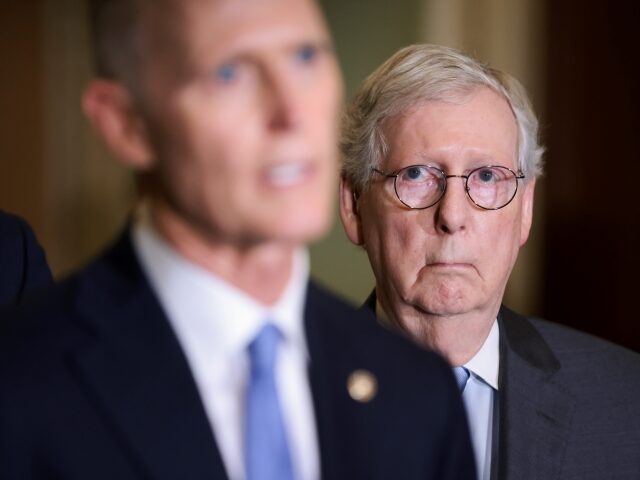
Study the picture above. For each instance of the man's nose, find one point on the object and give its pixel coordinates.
(284, 100)
(453, 209)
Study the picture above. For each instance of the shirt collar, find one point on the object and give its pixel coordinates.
(212, 314)
(485, 364)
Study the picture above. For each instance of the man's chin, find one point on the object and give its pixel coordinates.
(442, 302)
(304, 227)
(303, 237)
(296, 233)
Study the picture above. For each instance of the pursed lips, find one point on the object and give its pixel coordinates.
(451, 265)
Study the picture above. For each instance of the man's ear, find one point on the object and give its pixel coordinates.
(349, 213)
(527, 211)
(111, 110)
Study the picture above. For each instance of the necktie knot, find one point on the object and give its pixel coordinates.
(263, 350)
(462, 376)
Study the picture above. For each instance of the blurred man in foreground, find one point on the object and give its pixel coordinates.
(441, 156)
(195, 347)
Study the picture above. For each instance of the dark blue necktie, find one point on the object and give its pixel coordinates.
(266, 451)
(462, 376)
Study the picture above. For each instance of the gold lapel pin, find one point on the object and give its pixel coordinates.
(362, 386)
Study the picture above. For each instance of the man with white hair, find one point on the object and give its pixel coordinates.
(441, 156)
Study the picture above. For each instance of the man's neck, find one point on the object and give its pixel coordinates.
(260, 269)
(456, 337)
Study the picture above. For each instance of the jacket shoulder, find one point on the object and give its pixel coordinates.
(24, 264)
(52, 320)
(580, 350)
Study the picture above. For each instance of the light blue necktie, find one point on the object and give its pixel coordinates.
(266, 451)
(462, 376)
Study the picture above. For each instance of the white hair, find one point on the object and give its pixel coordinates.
(417, 74)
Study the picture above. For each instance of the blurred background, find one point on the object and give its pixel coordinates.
(578, 60)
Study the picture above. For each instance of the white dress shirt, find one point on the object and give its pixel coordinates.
(478, 398)
(214, 323)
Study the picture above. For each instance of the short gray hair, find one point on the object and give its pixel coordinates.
(417, 74)
(114, 28)
(127, 33)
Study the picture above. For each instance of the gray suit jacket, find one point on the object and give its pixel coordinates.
(569, 404)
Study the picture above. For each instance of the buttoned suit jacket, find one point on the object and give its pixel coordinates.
(94, 384)
(23, 265)
(568, 404)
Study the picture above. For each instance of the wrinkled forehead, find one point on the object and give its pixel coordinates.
(480, 120)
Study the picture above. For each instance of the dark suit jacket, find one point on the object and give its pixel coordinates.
(569, 404)
(94, 385)
(23, 265)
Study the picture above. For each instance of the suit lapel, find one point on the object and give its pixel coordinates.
(366, 437)
(319, 379)
(348, 430)
(136, 373)
(535, 410)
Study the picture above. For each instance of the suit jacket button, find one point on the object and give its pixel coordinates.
(362, 386)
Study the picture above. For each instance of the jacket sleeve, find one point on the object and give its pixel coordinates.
(23, 263)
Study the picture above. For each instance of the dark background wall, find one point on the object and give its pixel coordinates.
(592, 127)
(21, 110)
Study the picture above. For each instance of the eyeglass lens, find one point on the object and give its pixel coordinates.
(421, 186)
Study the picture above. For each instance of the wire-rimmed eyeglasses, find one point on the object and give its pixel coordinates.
(422, 186)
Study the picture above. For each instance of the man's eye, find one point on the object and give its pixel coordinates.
(226, 73)
(414, 173)
(306, 53)
(486, 175)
